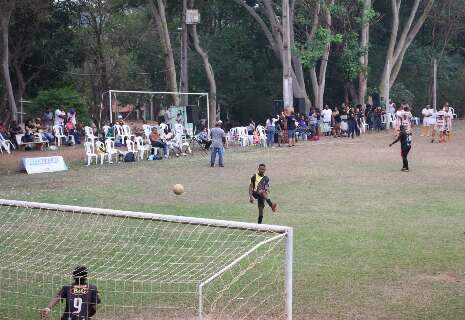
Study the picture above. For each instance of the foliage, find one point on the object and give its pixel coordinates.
(311, 51)
(401, 94)
(351, 53)
(68, 97)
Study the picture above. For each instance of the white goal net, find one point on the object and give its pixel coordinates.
(145, 266)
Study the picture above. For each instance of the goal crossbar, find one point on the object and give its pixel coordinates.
(148, 216)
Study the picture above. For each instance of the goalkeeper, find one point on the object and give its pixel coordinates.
(259, 189)
(81, 298)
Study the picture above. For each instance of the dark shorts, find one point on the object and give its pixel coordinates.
(260, 199)
(291, 133)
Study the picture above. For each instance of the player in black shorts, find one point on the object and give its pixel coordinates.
(81, 298)
(259, 189)
(405, 139)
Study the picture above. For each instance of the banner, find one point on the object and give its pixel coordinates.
(42, 164)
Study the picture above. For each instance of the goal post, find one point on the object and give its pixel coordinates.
(168, 266)
(196, 103)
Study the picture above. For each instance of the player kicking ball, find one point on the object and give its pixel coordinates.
(259, 189)
(81, 298)
(405, 139)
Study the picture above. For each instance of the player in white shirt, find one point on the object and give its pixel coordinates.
(399, 116)
(426, 113)
(406, 119)
(447, 122)
(439, 126)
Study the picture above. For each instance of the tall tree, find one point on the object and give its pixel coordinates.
(274, 35)
(367, 14)
(207, 66)
(8, 7)
(158, 9)
(398, 45)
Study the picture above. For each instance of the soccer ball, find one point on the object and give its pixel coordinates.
(178, 189)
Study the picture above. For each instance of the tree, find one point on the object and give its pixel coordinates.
(207, 66)
(367, 15)
(8, 7)
(398, 45)
(158, 10)
(274, 35)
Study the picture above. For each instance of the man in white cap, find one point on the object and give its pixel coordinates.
(218, 138)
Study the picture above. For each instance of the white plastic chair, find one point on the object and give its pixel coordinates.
(364, 125)
(105, 133)
(119, 133)
(90, 137)
(142, 148)
(5, 144)
(127, 131)
(147, 131)
(90, 152)
(102, 155)
(59, 135)
(452, 112)
(262, 135)
(110, 149)
(131, 147)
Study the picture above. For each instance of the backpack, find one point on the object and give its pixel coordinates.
(129, 157)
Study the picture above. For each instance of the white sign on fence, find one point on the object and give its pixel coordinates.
(42, 164)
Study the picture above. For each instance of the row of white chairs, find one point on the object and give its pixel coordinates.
(137, 147)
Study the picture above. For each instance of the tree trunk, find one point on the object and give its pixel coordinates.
(319, 82)
(273, 33)
(5, 21)
(159, 15)
(364, 41)
(398, 45)
(208, 69)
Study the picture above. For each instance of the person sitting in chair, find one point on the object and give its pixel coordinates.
(157, 142)
(202, 138)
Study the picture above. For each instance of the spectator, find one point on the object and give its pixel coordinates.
(60, 116)
(336, 123)
(202, 138)
(326, 115)
(218, 138)
(270, 131)
(47, 119)
(291, 129)
(352, 122)
(43, 131)
(72, 114)
(70, 130)
(251, 128)
(358, 118)
(14, 129)
(279, 126)
(156, 142)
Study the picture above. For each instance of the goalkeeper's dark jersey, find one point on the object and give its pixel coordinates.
(78, 299)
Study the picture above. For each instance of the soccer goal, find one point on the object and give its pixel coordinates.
(145, 266)
(152, 105)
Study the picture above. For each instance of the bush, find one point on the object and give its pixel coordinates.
(68, 97)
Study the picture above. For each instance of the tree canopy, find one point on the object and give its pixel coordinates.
(50, 46)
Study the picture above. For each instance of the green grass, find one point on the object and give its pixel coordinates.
(370, 242)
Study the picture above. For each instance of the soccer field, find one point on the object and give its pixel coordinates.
(370, 242)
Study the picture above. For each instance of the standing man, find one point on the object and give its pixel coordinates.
(291, 128)
(259, 189)
(81, 298)
(60, 116)
(405, 139)
(218, 138)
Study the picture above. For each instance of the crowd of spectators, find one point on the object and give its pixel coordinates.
(44, 128)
